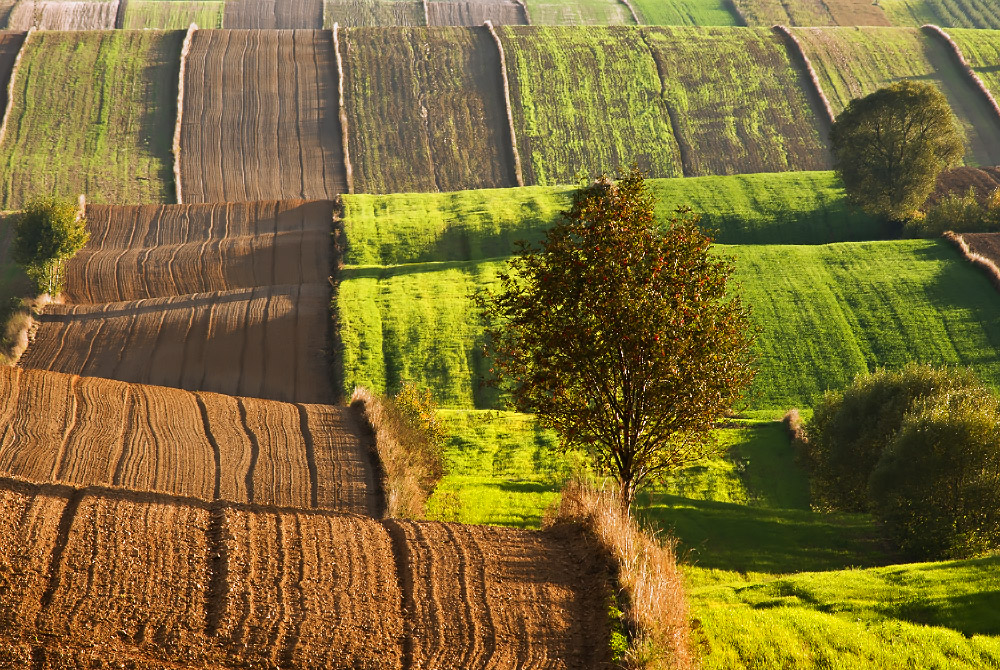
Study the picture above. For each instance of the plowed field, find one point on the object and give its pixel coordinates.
(853, 62)
(169, 582)
(372, 13)
(188, 296)
(260, 117)
(441, 93)
(739, 104)
(93, 112)
(273, 14)
(812, 13)
(87, 431)
(475, 13)
(984, 244)
(63, 15)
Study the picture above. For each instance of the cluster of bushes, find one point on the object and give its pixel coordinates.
(918, 448)
(967, 213)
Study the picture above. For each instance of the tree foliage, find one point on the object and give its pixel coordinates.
(889, 147)
(621, 335)
(46, 234)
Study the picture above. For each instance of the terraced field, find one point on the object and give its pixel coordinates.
(311, 589)
(737, 102)
(283, 86)
(63, 15)
(982, 14)
(210, 318)
(93, 112)
(586, 99)
(273, 14)
(447, 110)
(687, 13)
(855, 62)
(172, 14)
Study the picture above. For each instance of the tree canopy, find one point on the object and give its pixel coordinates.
(889, 147)
(621, 333)
(46, 234)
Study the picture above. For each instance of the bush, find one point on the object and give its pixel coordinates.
(851, 428)
(960, 214)
(936, 485)
(46, 234)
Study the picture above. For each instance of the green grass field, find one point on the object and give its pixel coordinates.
(172, 14)
(825, 313)
(685, 12)
(853, 62)
(578, 12)
(983, 14)
(981, 49)
(586, 99)
(739, 104)
(778, 208)
(93, 113)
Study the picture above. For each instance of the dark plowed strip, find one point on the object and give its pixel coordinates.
(273, 14)
(260, 117)
(10, 45)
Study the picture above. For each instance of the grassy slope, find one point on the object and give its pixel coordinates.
(981, 49)
(853, 62)
(93, 113)
(586, 99)
(172, 14)
(739, 104)
(578, 12)
(791, 207)
(983, 14)
(771, 12)
(685, 12)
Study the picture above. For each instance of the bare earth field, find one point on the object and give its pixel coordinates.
(63, 15)
(475, 13)
(87, 431)
(984, 244)
(273, 14)
(260, 117)
(111, 575)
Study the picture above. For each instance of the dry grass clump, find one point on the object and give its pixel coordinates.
(654, 606)
(408, 445)
(980, 261)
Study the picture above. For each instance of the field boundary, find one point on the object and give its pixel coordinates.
(631, 9)
(685, 151)
(427, 13)
(10, 84)
(310, 445)
(342, 105)
(970, 74)
(120, 15)
(518, 175)
(176, 147)
(798, 55)
(978, 260)
(524, 10)
(402, 558)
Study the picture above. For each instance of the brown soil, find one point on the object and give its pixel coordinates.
(87, 431)
(856, 13)
(273, 14)
(475, 13)
(958, 182)
(986, 245)
(98, 577)
(58, 15)
(261, 117)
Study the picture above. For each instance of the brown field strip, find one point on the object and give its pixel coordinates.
(63, 15)
(168, 582)
(273, 14)
(446, 110)
(986, 245)
(475, 13)
(260, 117)
(10, 45)
(152, 251)
(97, 432)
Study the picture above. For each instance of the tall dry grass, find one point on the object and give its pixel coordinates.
(655, 607)
(988, 266)
(518, 176)
(970, 74)
(176, 146)
(798, 53)
(410, 462)
(342, 105)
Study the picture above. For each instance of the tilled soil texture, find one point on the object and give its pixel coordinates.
(141, 577)
(230, 298)
(10, 45)
(273, 14)
(984, 244)
(372, 13)
(160, 581)
(158, 251)
(440, 92)
(88, 431)
(983, 181)
(62, 15)
(260, 117)
(475, 13)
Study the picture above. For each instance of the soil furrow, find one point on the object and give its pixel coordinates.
(62, 539)
(402, 560)
(217, 594)
(254, 450)
(216, 452)
(310, 457)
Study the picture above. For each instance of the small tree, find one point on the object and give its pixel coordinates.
(621, 335)
(46, 235)
(889, 147)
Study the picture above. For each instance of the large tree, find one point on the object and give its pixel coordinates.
(46, 234)
(621, 333)
(889, 147)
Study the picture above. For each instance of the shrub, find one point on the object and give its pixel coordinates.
(851, 428)
(408, 441)
(936, 485)
(961, 214)
(46, 235)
